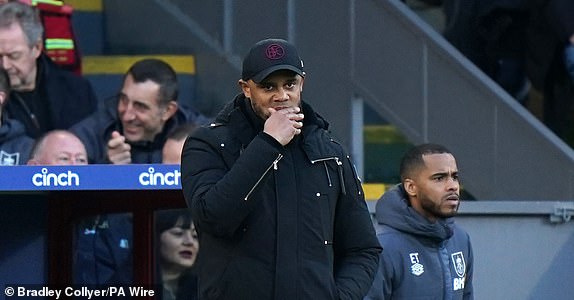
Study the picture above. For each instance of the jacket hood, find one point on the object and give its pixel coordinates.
(393, 210)
(311, 117)
(249, 125)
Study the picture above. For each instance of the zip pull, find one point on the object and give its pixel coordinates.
(273, 165)
(341, 179)
(276, 161)
(327, 172)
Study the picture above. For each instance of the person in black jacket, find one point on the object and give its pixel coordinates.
(132, 127)
(278, 206)
(44, 96)
(15, 145)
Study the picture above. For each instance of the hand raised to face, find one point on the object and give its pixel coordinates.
(284, 124)
(118, 150)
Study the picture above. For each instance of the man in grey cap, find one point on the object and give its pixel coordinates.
(279, 209)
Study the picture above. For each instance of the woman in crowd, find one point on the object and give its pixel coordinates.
(177, 246)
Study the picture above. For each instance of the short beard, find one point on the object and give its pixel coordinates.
(435, 209)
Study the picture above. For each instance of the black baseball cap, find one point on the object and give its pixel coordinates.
(268, 56)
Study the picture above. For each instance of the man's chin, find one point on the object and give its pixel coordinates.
(132, 138)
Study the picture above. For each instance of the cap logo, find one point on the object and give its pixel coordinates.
(274, 51)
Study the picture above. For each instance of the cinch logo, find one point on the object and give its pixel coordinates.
(53, 179)
(153, 178)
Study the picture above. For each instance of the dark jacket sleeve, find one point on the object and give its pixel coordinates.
(382, 287)
(89, 131)
(468, 288)
(217, 189)
(356, 246)
(72, 97)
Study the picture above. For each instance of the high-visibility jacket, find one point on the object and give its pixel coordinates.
(59, 39)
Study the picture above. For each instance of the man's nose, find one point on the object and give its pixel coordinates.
(281, 95)
(452, 184)
(128, 113)
(4, 62)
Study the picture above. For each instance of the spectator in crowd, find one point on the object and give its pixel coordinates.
(178, 244)
(133, 127)
(102, 245)
(550, 34)
(523, 45)
(58, 147)
(279, 209)
(44, 97)
(171, 152)
(426, 255)
(103, 250)
(96, 264)
(15, 145)
(176, 251)
(492, 34)
(59, 39)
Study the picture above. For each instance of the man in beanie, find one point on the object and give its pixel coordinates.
(279, 209)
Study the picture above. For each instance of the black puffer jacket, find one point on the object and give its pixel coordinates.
(276, 222)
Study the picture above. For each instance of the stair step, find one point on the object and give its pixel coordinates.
(86, 5)
(119, 64)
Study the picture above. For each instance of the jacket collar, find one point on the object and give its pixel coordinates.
(394, 210)
(247, 125)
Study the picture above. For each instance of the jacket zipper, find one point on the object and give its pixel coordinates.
(28, 111)
(273, 165)
(339, 166)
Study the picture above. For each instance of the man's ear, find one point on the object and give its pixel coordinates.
(170, 110)
(410, 187)
(244, 88)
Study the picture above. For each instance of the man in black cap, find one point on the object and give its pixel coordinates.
(279, 209)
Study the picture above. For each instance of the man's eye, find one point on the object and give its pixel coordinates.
(14, 56)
